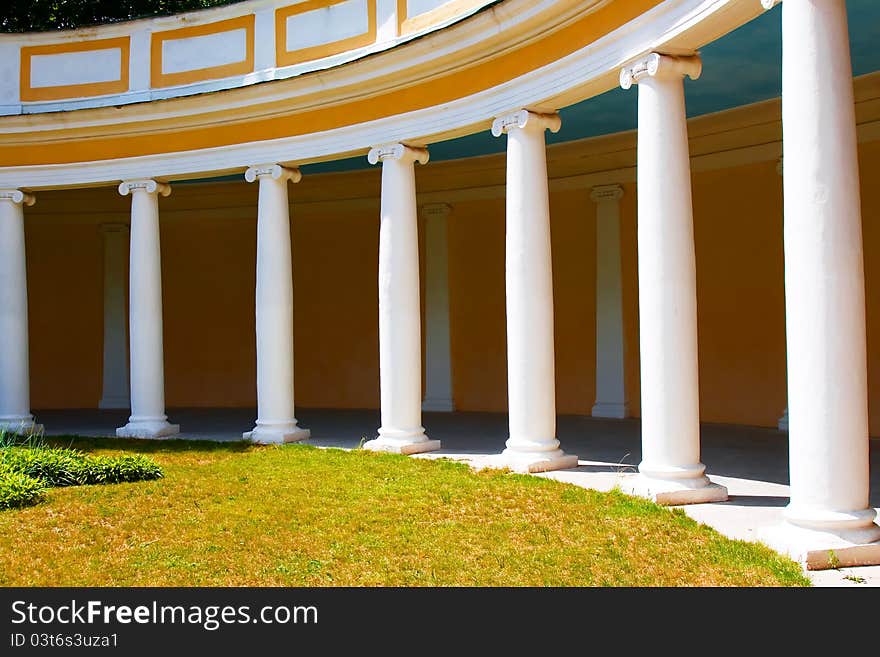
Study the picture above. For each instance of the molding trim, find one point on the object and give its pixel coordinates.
(120, 85)
(159, 79)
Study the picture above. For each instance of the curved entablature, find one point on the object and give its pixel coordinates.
(453, 81)
(222, 48)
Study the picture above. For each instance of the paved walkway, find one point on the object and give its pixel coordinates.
(751, 461)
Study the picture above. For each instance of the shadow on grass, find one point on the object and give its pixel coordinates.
(148, 446)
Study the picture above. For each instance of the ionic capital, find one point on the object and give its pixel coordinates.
(148, 185)
(400, 152)
(273, 171)
(602, 193)
(769, 4)
(17, 196)
(660, 66)
(430, 210)
(525, 119)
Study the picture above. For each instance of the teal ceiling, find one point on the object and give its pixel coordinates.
(742, 67)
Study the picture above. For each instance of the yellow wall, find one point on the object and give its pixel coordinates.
(64, 270)
(208, 278)
(740, 294)
(208, 247)
(336, 309)
(476, 306)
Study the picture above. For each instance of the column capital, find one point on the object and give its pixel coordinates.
(147, 185)
(436, 210)
(397, 152)
(602, 193)
(113, 228)
(659, 66)
(525, 119)
(17, 196)
(274, 171)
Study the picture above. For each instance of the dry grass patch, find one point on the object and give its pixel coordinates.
(236, 514)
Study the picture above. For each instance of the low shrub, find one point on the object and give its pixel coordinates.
(57, 467)
(118, 469)
(18, 490)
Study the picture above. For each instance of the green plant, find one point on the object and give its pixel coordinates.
(118, 469)
(55, 466)
(23, 438)
(833, 560)
(18, 490)
(58, 467)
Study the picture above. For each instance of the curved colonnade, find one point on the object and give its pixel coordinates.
(390, 92)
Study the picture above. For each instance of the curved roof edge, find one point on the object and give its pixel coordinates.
(542, 55)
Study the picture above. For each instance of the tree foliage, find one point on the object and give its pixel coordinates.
(45, 15)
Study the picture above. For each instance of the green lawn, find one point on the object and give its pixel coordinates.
(237, 514)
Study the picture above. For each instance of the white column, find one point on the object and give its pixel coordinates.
(531, 385)
(15, 394)
(114, 392)
(276, 422)
(438, 361)
(824, 296)
(400, 340)
(782, 423)
(611, 398)
(670, 471)
(148, 419)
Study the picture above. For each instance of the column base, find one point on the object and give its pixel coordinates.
(114, 401)
(148, 428)
(673, 492)
(402, 442)
(527, 462)
(821, 548)
(612, 410)
(441, 404)
(22, 425)
(276, 433)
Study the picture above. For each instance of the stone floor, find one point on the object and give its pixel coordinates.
(751, 461)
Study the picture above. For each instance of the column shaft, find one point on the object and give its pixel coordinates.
(438, 370)
(531, 385)
(400, 343)
(611, 400)
(115, 363)
(276, 421)
(148, 419)
(15, 413)
(824, 284)
(670, 470)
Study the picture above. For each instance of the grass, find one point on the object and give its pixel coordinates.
(238, 514)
